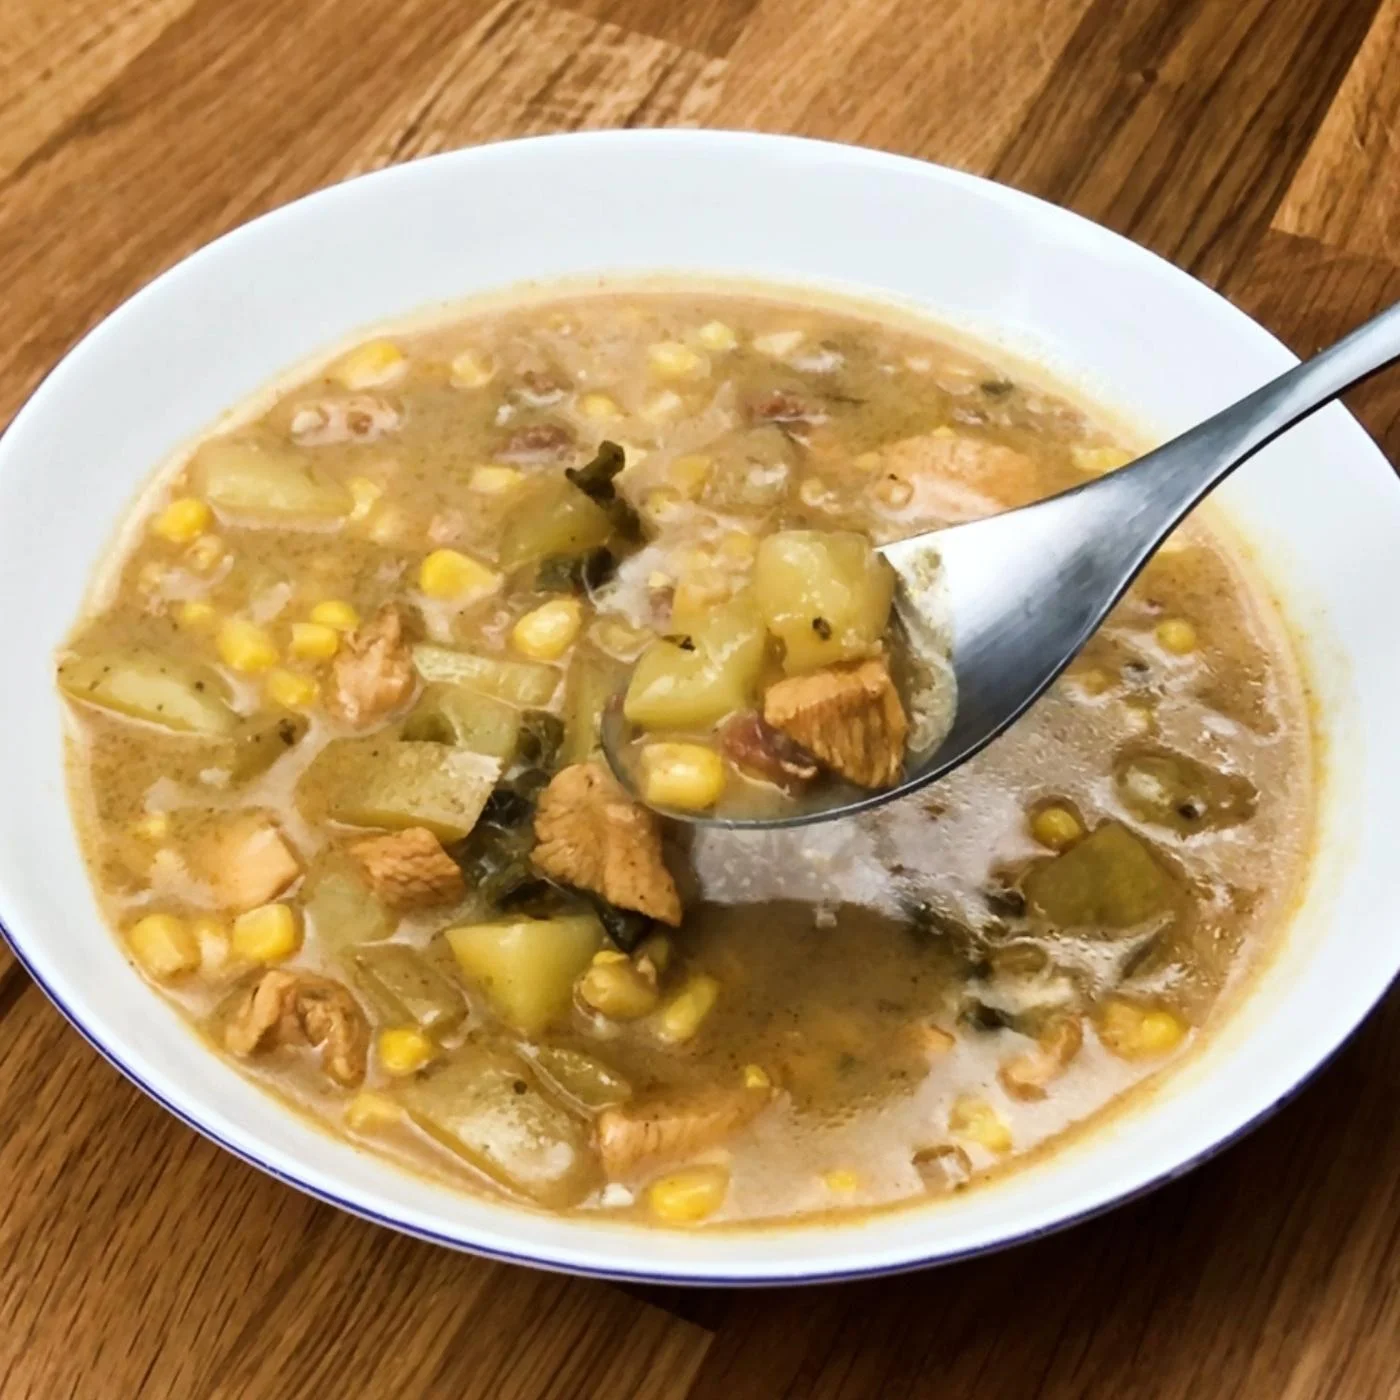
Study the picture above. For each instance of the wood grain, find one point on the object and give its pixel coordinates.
(1252, 142)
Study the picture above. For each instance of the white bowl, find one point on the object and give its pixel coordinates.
(1320, 506)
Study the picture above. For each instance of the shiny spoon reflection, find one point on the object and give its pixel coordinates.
(1010, 600)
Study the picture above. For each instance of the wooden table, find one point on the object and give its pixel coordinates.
(1254, 142)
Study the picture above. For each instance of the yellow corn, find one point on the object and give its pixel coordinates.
(288, 688)
(738, 546)
(841, 1180)
(977, 1121)
(495, 481)
(1137, 1032)
(1098, 460)
(670, 359)
(183, 520)
(403, 1049)
(268, 933)
(196, 615)
(1176, 635)
(364, 493)
(683, 1197)
(374, 362)
(164, 946)
(715, 335)
(205, 553)
(471, 371)
(314, 641)
(335, 613)
(756, 1077)
(696, 596)
(688, 776)
(245, 646)
(1056, 827)
(449, 574)
(153, 827)
(548, 631)
(369, 1111)
(599, 406)
(680, 1018)
(689, 474)
(618, 990)
(661, 504)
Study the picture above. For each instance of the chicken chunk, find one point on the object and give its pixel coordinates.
(409, 869)
(593, 836)
(848, 717)
(247, 862)
(956, 476)
(373, 672)
(285, 1007)
(658, 1130)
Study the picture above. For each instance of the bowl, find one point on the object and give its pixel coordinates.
(1320, 510)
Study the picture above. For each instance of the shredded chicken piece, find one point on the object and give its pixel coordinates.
(409, 869)
(668, 1129)
(956, 476)
(300, 1008)
(593, 836)
(848, 717)
(247, 862)
(373, 671)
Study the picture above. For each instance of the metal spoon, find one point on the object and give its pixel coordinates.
(1014, 597)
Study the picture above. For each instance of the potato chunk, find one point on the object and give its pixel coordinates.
(249, 481)
(407, 989)
(526, 683)
(593, 836)
(825, 596)
(1110, 882)
(849, 717)
(553, 518)
(179, 695)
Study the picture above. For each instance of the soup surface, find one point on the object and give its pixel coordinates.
(334, 717)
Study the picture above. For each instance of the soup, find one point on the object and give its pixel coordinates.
(334, 763)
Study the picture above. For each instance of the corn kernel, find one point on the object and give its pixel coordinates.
(672, 360)
(164, 946)
(196, 615)
(183, 520)
(599, 406)
(778, 344)
(944, 431)
(1092, 680)
(447, 573)
(151, 576)
(205, 553)
(153, 827)
(689, 474)
(403, 1049)
(738, 546)
(288, 688)
(688, 776)
(245, 646)
(696, 596)
(335, 613)
(268, 933)
(841, 1180)
(658, 582)
(620, 991)
(681, 1017)
(606, 956)
(548, 631)
(364, 493)
(1176, 635)
(683, 1197)
(495, 481)
(374, 362)
(314, 641)
(1097, 460)
(756, 1077)
(368, 1111)
(715, 335)
(977, 1121)
(1137, 1032)
(471, 371)
(1056, 827)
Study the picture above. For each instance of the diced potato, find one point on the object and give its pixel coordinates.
(685, 1196)
(676, 688)
(395, 783)
(484, 1105)
(406, 988)
(825, 596)
(1109, 881)
(178, 695)
(403, 1050)
(593, 680)
(343, 910)
(258, 743)
(465, 718)
(164, 945)
(581, 1078)
(527, 967)
(248, 480)
(554, 517)
(525, 683)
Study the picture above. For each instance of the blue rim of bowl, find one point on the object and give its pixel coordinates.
(699, 1279)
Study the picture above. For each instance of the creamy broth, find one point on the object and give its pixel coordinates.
(333, 761)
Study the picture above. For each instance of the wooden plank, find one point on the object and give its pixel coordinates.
(1347, 192)
(949, 82)
(704, 26)
(141, 1260)
(1181, 122)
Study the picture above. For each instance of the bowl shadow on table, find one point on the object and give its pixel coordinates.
(1227, 1280)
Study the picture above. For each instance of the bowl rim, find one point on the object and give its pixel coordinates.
(567, 1258)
